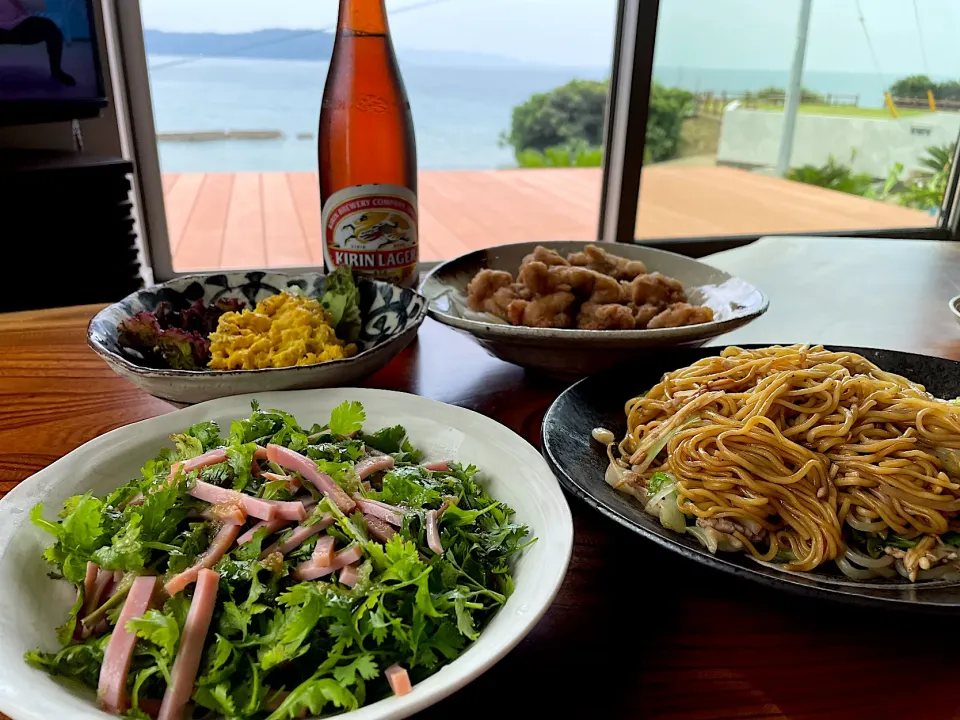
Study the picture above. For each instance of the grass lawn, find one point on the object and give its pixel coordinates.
(849, 111)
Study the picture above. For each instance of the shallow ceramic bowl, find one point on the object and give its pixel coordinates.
(390, 318)
(511, 470)
(584, 352)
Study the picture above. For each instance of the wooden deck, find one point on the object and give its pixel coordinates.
(232, 220)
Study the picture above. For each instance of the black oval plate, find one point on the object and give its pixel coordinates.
(580, 462)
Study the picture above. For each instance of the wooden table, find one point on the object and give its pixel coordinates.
(635, 631)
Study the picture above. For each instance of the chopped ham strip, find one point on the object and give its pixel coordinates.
(271, 525)
(221, 542)
(292, 483)
(212, 457)
(184, 670)
(367, 487)
(95, 599)
(117, 578)
(439, 466)
(260, 453)
(390, 513)
(310, 571)
(399, 680)
(378, 529)
(349, 575)
(433, 533)
(230, 512)
(298, 536)
(112, 689)
(368, 466)
(289, 510)
(257, 507)
(89, 581)
(323, 551)
(285, 457)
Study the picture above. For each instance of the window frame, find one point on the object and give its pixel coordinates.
(627, 110)
(624, 215)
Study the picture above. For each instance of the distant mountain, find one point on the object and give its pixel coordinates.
(276, 44)
(280, 44)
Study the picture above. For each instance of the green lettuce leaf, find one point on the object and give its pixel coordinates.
(341, 299)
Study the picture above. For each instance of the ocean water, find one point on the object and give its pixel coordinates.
(459, 112)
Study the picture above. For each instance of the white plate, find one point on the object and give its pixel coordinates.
(512, 471)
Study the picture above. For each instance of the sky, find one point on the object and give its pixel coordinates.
(722, 34)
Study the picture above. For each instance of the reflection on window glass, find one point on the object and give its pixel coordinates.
(874, 134)
(508, 100)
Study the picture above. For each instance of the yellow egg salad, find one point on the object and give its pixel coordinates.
(281, 331)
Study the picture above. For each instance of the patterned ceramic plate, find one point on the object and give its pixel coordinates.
(390, 318)
(583, 352)
(580, 463)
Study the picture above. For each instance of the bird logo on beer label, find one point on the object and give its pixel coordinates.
(376, 234)
(375, 230)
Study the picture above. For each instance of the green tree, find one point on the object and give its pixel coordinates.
(572, 116)
(913, 86)
(669, 107)
(949, 90)
(568, 114)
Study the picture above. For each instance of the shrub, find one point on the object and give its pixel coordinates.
(916, 86)
(561, 156)
(807, 96)
(572, 116)
(833, 175)
(922, 190)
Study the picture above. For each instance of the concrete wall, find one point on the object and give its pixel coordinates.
(751, 138)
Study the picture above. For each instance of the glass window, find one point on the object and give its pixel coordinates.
(874, 131)
(236, 110)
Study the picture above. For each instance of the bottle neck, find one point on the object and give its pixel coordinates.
(363, 17)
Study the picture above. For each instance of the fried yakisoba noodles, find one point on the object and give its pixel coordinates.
(800, 456)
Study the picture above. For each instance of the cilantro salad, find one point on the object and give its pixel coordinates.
(277, 571)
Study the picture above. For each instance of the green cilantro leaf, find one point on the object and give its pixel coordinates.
(65, 632)
(312, 697)
(159, 628)
(217, 698)
(240, 460)
(126, 550)
(364, 666)
(410, 486)
(347, 418)
(187, 446)
(81, 661)
(290, 628)
(393, 440)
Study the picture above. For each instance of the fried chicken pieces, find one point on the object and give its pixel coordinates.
(590, 290)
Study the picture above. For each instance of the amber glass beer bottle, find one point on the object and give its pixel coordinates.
(367, 152)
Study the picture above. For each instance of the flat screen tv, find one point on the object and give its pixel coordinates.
(49, 61)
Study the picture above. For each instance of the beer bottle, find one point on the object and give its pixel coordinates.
(367, 152)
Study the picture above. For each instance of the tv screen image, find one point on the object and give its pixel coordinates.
(48, 58)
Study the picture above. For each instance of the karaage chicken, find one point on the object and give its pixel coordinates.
(590, 290)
